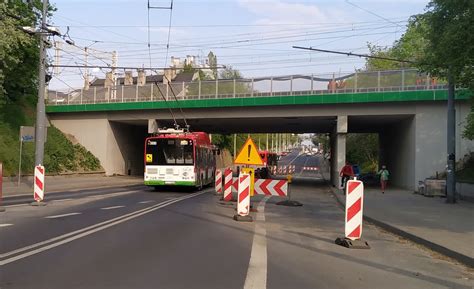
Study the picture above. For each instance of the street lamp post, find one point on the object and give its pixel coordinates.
(451, 133)
(40, 107)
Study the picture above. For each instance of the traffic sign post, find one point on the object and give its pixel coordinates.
(251, 172)
(354, 216)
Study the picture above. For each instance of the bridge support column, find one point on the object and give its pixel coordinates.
(338, 149)
(152, 126)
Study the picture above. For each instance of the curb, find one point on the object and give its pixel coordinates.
(465, 260)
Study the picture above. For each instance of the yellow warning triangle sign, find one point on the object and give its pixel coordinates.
(248, 154)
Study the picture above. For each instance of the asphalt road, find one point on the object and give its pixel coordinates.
(139, 238)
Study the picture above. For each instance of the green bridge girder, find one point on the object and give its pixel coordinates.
(337, 98)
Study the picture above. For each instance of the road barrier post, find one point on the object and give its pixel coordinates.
(38, 192)
(218, 182)
(227, 185)
(354, 216)
(243, 199)
(2, 209)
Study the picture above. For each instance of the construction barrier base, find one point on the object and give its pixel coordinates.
(38, 204)
(352, 244)
(221, 202)
(289, 203)
(240, 218)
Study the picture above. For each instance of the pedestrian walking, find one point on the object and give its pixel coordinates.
(383, 173)
(346, 173)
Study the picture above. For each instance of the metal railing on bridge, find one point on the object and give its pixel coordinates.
(291, 85)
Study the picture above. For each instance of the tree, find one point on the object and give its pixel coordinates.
(450, 45)
(18, 52)
(411, 46)
(363, 149)
(322, 139)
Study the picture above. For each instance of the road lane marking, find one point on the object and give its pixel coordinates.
(88, 197)
(146, 202)
(62, 200)
(111, 208)
(61, 216)
(257, 270)
(69, 237)
(5, 225)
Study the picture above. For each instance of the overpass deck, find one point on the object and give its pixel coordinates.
(368, 87)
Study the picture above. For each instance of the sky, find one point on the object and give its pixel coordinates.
(253, 36)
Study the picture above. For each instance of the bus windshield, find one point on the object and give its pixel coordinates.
(169, 152)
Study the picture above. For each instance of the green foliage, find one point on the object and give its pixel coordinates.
(86, 160)
(411, 46)
(18, 96)
(450, 41)
(451, 45)
(18, 52)
(222, 141)
(363, 149)
(322, 139)
(468, 132)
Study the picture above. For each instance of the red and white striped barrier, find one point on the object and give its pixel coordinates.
(271, 187)
(243, 204)
(38, 193)
(228, 185)
(354, 209)
(267, 187)
(283, 170)
(310, 168)
(218, 183)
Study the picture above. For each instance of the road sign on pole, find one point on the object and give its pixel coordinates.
(248, 154)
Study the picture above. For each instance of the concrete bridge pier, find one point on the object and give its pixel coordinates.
(338, 149)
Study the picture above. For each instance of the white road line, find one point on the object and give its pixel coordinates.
(62, 200)
(111, 208)
(146, 202)
(93, 197)
(5, 225)
(257, 270)
(87, 231)
(60, 216)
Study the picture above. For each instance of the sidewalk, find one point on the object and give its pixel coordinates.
(445, 228)
(68, 183)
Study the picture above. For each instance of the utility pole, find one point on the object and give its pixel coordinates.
(235, 145)
(86, 70)
(114, 77)
(40, 107)
(57, 48)
(451, 134)
(266, 143)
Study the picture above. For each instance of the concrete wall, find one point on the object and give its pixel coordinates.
(431, 138)
(397, 145)
(119, 147)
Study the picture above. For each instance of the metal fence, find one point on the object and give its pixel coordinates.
(291, 85)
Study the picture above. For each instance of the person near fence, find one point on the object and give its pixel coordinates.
(383, 173)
